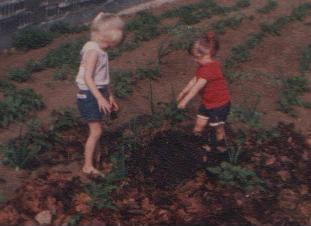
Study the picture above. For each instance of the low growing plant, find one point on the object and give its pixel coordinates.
(236, 176)
(270, 6)
(19, 75)
(122, 81)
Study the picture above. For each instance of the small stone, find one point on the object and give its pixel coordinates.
(44, 217)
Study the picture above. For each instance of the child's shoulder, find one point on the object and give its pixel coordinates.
(91, 45)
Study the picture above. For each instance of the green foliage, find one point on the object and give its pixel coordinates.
(292, 88)
(74, 220)
(32, 38)
(125, 46)
(236, 176)
(22, 151)
(122, 81)
(301, 11)
(65, 28)
(183, 37)
(62, 73)
(275, 27)
(151, 72)
(64, 119)
(65, 54)
(247, 112)
(144, 25)
(100, 193)
(232, 22)
(242, 3)
(19, 75)
(6, 86)
(17, 104)
(270, 5)
(305, 60)
(235, 148)
(240, 53)
(2, 197)
(34, 66)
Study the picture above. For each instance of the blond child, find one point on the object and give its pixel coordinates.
(95, 97)
(210, 83)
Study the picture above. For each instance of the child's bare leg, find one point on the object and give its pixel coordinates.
(220, 132)
(200, 125)
(94, 135)
(220, 138)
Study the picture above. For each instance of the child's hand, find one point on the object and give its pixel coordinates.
(113, 103)
(182, 105)
(103, 105)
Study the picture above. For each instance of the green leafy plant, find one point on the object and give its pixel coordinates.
(6, 86)
(291, 89)
(236, 176)
(22, 151)
(305, 60)
(17, 104)
(65, 54)
(100, 193)
(144, 25)
(247, 112)
(125, 46)
(2, 197)
(122, 81)
(64, 119)
(32, 38)
(242, 3)
(270, 6)
(19, 75)
(300, 12)
(232, 22)
(34, 66)
(275, 27)
(151, 72)
(65, 28)
(74, 220)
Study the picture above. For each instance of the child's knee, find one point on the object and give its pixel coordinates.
(96, 132)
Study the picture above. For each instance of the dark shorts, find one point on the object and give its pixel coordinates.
(215, 116)
(87, 104)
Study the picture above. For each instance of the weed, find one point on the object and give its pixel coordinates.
(144, 25)
(19, 75)
(74, 220)
(236, 176)
(125, 46)
(100, 194)
(247, 112)
(65, 28)
(23, 151)
(270, 5)
(235, 149)
(65, 54)
(305, 60)
(275, 27)
(292, 88)
(34, 66)
(62, 73)
(242, 3)
(17, 104)
(151, 72)
(300, 12)
(122, 81)
(32, 38)
(6, 86)
(183, 37)
(64, 119)
(232, 22)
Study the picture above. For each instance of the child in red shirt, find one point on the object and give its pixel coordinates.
(210, 83)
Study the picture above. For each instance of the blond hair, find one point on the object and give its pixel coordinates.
(109, 25)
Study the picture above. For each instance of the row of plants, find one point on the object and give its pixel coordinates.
(24, 151)
(269, 7)
(17, 104)
(36, 37)
(241, 52)
(144, 26)
(305, 60)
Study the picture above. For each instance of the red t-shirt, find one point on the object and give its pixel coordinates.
(215, 93)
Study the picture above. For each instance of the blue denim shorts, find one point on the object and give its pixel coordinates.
(87, 104)
(215, 116)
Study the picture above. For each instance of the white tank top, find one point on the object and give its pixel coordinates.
(101, 73)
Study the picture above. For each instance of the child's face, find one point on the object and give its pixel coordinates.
(110, 39)
(203, 59)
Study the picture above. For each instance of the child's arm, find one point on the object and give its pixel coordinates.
(193, 91)
(186, 89)
(112, 101)
(91, 60)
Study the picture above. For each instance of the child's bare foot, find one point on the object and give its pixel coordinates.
(92, 171)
